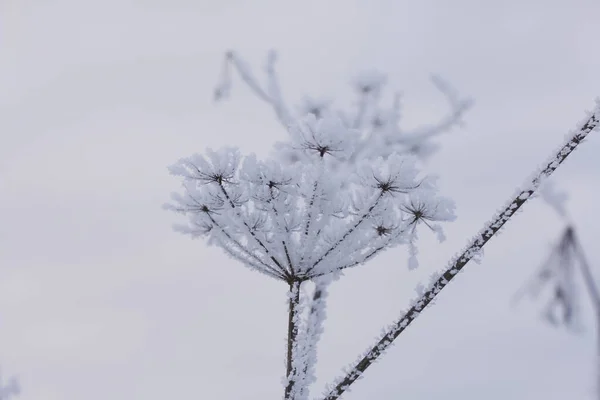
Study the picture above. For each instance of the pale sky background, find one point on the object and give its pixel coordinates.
(99, 299)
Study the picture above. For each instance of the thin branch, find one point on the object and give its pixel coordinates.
(199, 207)
(271, 95)
(266, 268)
(362, 219)
(251, 232)
(274, 91)
(237, 253)
(586, 272)
(458, 107)
(533, 286)
(284, 244)
(370, 254)
(473, 249)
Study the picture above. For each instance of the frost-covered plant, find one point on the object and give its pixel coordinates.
(376, 126)
(338, 192)
(300, 222)
(556, 279)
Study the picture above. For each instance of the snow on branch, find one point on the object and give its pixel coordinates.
(474, 249)
(558, 277)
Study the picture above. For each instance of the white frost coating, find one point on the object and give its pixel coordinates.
(301, 221)
(311, 328)
(306, 220)
(325, 216)
(458, 262)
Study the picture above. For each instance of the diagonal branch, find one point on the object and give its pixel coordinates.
(473, 249)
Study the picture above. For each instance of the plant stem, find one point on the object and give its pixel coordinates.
(473, 249)
(292, 341)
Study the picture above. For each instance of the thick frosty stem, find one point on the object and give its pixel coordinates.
(314, 328)
(292, 341)
(458, 263)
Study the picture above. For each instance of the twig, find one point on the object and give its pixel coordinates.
(473, 249)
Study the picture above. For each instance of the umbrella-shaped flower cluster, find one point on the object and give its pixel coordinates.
(301, 220)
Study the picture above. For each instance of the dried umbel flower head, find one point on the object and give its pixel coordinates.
(302, 220)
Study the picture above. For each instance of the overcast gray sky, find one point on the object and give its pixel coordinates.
(100, 299)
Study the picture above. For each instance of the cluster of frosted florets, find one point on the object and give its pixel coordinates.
(309, 218)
